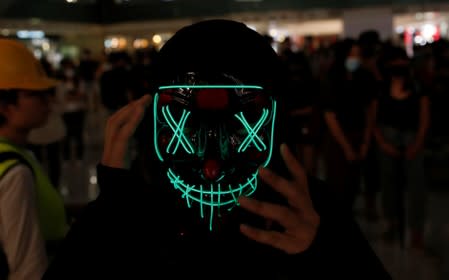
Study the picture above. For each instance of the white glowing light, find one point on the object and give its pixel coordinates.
(30, 34)
(157, 39)
(93, 180)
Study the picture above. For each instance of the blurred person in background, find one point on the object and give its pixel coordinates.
(371, 50)
(115, 81)
(403, 119)
(87, 69)
(74, 107)
(347, 102)
(32, 214)
(46, 141)
(302, 106)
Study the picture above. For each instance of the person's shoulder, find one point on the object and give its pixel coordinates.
(19, 170)
(19, 177)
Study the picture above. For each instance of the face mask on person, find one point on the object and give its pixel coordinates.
(211, 138)
(352, 64)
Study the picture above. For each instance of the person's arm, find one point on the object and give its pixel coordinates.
(386, 147)
(424, 119)
(369, 128)
(423, 127)
(22, 240)
(337, 133)
(302, 111)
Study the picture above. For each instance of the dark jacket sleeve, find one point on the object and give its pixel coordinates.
(340, 247)
(95, 243)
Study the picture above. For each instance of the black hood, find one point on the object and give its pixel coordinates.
(220, 47)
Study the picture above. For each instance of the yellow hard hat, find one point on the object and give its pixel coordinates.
(19, 69)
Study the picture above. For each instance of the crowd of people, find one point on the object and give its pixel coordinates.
(359, 114)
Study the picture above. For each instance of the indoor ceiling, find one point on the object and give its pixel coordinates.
(117, 11)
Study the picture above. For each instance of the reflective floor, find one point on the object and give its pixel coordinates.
(79, 185)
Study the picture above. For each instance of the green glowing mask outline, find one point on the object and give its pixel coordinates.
(214, 196)
(178, 130)
(245, 189)
(252, 132)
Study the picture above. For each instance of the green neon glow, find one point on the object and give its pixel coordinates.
(201, 198)
(273, 121)
(211, 86)
(156, 145)
(211, 215)
(252, 132)
(178, 129)
(223, 145)
(201, 145)
(194, 193)
(221, 178)
(216, 196)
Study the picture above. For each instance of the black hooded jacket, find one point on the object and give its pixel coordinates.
(134, 230)
(128, 232)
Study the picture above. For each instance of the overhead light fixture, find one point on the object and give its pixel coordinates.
(30, 34)
(71, 1)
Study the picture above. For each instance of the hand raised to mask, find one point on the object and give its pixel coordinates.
(119, 129)
(299, 219)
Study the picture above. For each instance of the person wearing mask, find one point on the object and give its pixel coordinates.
(32, 215)
(226, 198)
(348, 114)
(403, 119)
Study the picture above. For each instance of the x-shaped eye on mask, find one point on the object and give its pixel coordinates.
(252, 132)
(178, 130)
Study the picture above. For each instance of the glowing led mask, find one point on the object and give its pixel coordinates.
(212, 139)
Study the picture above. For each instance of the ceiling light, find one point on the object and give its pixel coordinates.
(33, 34)
(157, 39)
(71, 1)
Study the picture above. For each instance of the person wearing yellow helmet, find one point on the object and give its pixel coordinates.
(31, 211)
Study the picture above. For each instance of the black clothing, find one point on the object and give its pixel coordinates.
(128, 232)
(301, 94)
(401, 114)
(114, 86)
(350, 98)
(87, 69)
